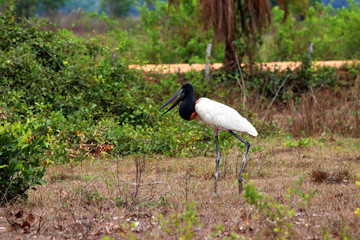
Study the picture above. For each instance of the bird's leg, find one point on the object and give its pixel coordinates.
(217, 160)
(240, 179)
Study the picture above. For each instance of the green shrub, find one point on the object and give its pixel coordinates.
(289, 83)
(81, 93)
(173, 35)
(333, 32)
(22, 160)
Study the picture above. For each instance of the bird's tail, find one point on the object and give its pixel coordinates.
(250, 129)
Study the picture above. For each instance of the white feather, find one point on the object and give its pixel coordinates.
(221, 117)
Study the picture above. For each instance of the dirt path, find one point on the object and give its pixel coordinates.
(184, 67)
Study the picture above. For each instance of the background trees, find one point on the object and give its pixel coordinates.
(27, 8)
(118, 8)
(241, 24)
(180, 32)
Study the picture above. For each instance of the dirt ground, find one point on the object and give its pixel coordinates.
(174, 68)
(173, 199)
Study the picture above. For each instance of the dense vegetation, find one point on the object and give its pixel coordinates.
(76, 95)
(64, 98)
(333, 33)
(176, 34)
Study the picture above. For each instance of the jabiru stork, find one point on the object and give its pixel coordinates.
(216, 115)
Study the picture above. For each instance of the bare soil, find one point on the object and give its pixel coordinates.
(103, 197)
(175, 68)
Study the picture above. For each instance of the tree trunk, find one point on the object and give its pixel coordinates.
(229, 60)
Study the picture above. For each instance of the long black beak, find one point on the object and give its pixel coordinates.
(178, 92)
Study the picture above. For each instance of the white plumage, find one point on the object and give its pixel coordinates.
(221, 117)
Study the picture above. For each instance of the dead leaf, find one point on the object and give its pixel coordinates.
(26, 229)
(15, 225)
(4, 229)
(31, 218)
(19, 214)
(25, 224)
(62, 193)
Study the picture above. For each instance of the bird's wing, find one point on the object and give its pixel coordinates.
(222, 117)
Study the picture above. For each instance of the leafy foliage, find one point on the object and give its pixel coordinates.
(29, 8)
(21, 152)
(115, 7)
(332, 31)
(81, 93)
(172, 35)
(85, 5)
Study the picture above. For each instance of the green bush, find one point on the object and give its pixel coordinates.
(80, 92)
(44, 71)
(22, 159)
(65, 83)
(291, 83)
(171, 35)
(334, 33)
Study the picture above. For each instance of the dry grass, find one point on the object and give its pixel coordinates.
(327, 110)
(109, 197)
(320, 110)
(323, 113)
(341, 175)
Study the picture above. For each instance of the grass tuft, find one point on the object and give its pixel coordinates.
(319, 175)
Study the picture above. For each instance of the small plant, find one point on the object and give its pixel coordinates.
(357, 211)
(300, 197)
(217, 229)
(180, 225)
(302, 142)
(278, 214)
(270, 210)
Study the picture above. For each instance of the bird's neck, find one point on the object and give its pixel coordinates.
(187, 107)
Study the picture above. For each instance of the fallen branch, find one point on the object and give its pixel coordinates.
(277, 92)
(142, 184)
(242, 86)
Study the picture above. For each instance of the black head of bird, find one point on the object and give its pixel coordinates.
(185, 95)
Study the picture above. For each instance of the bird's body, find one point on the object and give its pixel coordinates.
(216, 115)
(221, 117)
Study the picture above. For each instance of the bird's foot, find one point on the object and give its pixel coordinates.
(240, 184)
(241, 188)
(241, 180)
